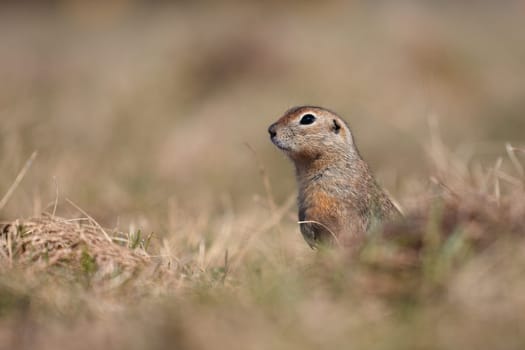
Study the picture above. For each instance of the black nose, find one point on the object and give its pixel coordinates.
(272, 131)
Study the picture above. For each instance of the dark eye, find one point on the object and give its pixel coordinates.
(307, 119)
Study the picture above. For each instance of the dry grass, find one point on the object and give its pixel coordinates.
(49, 242)
(456, 263)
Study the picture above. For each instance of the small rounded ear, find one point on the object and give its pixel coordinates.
(336, 127)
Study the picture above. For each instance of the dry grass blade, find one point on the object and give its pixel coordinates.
(511, 152)
(265, 179)
(93, 221)
(279, 214)
(55, 204)
(18, 179)
(334, 236)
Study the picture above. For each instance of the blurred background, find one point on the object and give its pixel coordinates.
(136, 105)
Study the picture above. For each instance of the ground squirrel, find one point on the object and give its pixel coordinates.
(339, 199)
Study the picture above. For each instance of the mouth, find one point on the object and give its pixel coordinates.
(279, 145)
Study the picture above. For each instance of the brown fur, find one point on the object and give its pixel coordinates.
(339, 199)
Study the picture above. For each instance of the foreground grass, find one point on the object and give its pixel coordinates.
(451, 276)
